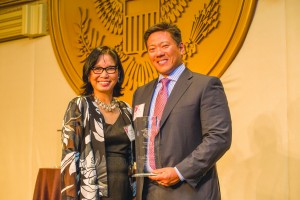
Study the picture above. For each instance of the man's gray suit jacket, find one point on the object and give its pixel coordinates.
(195, 132)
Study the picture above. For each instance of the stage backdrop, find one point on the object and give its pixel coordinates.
(213, 32)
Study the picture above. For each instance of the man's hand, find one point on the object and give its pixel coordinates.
(165, 176)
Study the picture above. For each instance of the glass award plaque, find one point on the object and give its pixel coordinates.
(142, 133)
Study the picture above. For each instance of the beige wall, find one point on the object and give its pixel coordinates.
(263, 89)
(34, 95)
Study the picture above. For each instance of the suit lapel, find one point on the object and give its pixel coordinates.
(179, 89)
(148, 92)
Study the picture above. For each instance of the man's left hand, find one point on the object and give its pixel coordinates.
(165, 176)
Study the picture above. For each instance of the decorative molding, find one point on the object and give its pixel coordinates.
(27, 20)
(6, 3)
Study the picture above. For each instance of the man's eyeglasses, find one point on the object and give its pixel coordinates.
(109, 70)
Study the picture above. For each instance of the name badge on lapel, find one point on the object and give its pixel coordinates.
(138, 111)
(130, 132)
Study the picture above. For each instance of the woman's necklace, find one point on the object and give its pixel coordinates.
(113, 105)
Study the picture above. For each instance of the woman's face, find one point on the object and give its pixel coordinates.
(105, 81)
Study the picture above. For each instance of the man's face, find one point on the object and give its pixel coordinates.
(164, 53)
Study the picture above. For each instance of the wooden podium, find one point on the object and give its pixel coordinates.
(47, 185)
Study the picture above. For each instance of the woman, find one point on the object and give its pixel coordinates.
(97, 134)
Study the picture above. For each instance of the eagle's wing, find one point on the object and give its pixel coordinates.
(170, 10)
(110, 12)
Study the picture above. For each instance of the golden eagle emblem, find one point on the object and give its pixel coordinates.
(121, 24)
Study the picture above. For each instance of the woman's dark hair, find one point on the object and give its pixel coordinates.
(164, 26)
(90, 62)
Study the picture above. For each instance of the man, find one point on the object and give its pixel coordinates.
(195, 124)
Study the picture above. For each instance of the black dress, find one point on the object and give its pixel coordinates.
(117, 146)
